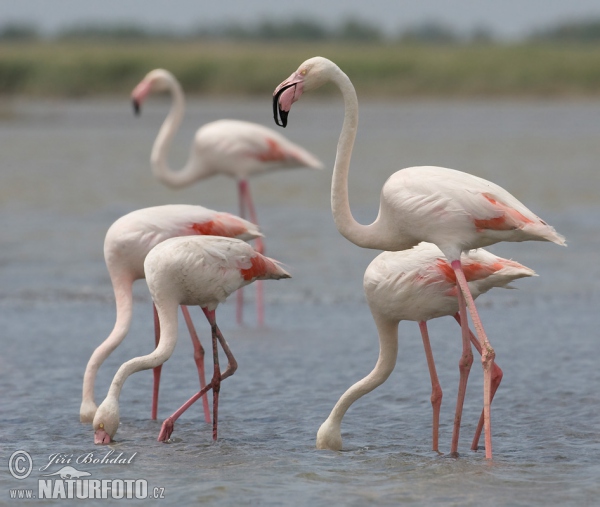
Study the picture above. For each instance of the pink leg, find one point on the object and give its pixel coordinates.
(436, 390)
(260, 248)
(156, 370)
(496, 379)
(198, 358)
(231, 364)
(168, 424)
(487, 356)
(464, 366)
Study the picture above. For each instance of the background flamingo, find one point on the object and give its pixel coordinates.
(454, 210)
(419, 285)
(200, 270)
(126, 245)
(235, 148)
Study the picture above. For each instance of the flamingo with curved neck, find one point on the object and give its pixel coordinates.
(419, 285)
(235, 148)
(454, 210)
(127, 242)
(189, 270)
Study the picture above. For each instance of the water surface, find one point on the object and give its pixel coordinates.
(69, 169)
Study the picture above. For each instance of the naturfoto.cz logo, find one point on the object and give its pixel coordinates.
(69, 482)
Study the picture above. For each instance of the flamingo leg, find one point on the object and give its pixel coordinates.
(157, 370)
(260, 248)
(215, 383)
(198, 358)
(496, 379)
(436, 389)
(487, 355)
(464, 366)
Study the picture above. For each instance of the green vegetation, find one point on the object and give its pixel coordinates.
(573, 31)
(75, 68)
(429, 59)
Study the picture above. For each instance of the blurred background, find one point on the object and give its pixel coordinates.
(67, 48)
(508, 91)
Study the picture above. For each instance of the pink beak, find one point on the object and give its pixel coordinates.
(285, 95)
(101, 437)
(139, 93)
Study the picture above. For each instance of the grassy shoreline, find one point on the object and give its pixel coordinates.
(85, 69)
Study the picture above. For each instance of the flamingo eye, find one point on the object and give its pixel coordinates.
(303, 72)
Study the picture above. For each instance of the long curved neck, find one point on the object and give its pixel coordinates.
(167, 314)
(365, 236)
(124, 302)
(388, 352)
(158, 158)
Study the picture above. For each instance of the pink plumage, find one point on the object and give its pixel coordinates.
(418, 285)
(454, 210)
(235, 148)
(127, 243)
(192, 270)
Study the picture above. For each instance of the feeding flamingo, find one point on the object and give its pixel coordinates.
(192, 270)
(454, 210)
(419, 285)
(126, 245)
(235, 148)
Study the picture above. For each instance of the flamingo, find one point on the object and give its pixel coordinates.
(126, 245)
(419, 285)
(191, 270)
(454, 210)
(235, 148)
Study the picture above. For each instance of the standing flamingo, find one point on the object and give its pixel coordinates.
(454, 210)
(238, 149)
(126, 245)
(419, 285)
(198, 270)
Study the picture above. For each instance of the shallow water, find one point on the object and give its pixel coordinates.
(70, 169)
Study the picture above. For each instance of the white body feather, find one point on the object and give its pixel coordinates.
(411, 285)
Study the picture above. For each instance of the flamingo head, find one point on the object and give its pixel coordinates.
(312, 74)
(329, 436)
(157, 80)
(106, 421)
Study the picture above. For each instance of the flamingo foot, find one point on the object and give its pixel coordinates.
(101, 437)
(167, 429)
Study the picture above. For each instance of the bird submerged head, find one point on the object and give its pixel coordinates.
(106, 422)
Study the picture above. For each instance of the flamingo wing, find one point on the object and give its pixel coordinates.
(240, 147)
(438, 195)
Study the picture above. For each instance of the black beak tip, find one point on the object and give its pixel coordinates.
(136, 107)
(277, 111)
(284, 117)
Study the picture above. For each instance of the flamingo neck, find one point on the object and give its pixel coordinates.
(124, 303)
(365, 236)
(388, 352)
(167, 314)
(193, 169)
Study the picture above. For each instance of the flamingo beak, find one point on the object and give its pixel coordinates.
(101, 437)
(284, 96)
(139, 93)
